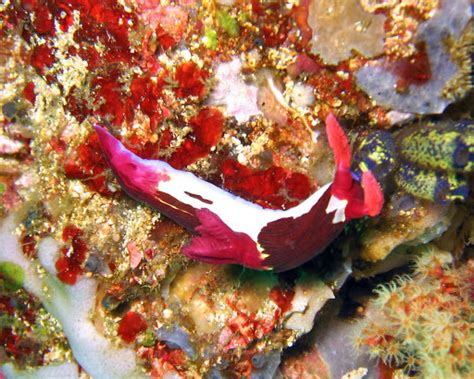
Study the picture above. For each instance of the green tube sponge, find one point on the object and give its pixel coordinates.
(12, 274)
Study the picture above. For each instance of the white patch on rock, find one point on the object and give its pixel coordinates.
(358, 373)
(301, 96)
(48, 254)
(10, 146)
(238, 97)
(66, 370)
(396, 117)
(226, 2)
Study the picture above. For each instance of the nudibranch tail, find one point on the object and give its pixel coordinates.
(133, 173)
(292, 241)
(141, 179)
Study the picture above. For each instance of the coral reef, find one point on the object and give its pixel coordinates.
(294, 109)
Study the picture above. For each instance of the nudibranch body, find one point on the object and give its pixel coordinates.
(231, 230)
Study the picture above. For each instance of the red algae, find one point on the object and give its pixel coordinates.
(130, 326)
(165, 39)
(413, 70)
(28, 245)
(70, 263)
(282, 298)
(89, 165)
(29, 92)
(208, 126)
(42, 58)
(274, 187)
(190, 80)
(44, 21)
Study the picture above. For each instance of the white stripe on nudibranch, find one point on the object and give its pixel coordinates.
(237, 213)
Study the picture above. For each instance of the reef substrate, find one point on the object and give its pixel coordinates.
(94, 284)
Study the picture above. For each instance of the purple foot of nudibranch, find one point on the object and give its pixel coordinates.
(219, 244)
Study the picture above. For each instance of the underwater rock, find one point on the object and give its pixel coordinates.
(339, 27)
(64, 370)
(424, 91)
(332, 353)
(176, 337)
(310, 296)
(10, 146)
(265, 366)
(418, 224)
(236, 93)
(96, 355)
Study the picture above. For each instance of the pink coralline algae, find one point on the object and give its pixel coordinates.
(252, 236)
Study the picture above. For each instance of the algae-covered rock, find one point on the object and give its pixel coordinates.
(340, 27)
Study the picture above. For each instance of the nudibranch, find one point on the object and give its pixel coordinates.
(231, 230)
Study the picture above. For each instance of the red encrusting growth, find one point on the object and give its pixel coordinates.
(28, 245)
(274, 27)
(88, 164)
(282, 298)
(304, 64)
(413, 70)
(105, 23)
(109, 98)
(165, 39)
(164, 359)
(70, 264)
(44, 21)
(190, 80)
(29, 92)
(16, 343)
(145, 93)
(41, 58)
(300, 15)
(130, 326)
(274, 187)
(208, 127)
